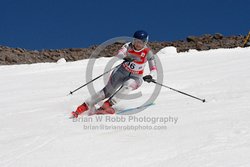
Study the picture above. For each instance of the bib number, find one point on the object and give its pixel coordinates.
(131, 65)
(135, 66)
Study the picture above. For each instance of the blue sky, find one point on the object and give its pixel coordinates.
(56, 24)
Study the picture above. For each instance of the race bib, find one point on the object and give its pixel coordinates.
(135, 66)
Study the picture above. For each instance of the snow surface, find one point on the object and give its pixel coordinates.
(35, 129)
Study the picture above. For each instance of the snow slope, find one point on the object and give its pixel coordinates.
(35, 130)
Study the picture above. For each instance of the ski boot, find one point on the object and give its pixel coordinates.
(106, 108)
(80, 109)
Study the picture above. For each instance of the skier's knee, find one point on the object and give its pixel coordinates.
(128, 88)
(131, 85)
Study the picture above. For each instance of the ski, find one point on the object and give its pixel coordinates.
(122, 111)
(118, 111)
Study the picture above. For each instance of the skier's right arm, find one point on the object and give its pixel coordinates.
(122, 53)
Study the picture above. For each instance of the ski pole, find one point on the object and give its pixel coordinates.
(203, 100)
(71, 92)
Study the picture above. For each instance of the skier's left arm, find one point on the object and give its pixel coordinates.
(152, 67)
(152, 64)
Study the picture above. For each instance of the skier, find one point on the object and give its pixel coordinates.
(125, 78)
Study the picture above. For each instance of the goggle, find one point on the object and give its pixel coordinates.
(139, 42)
